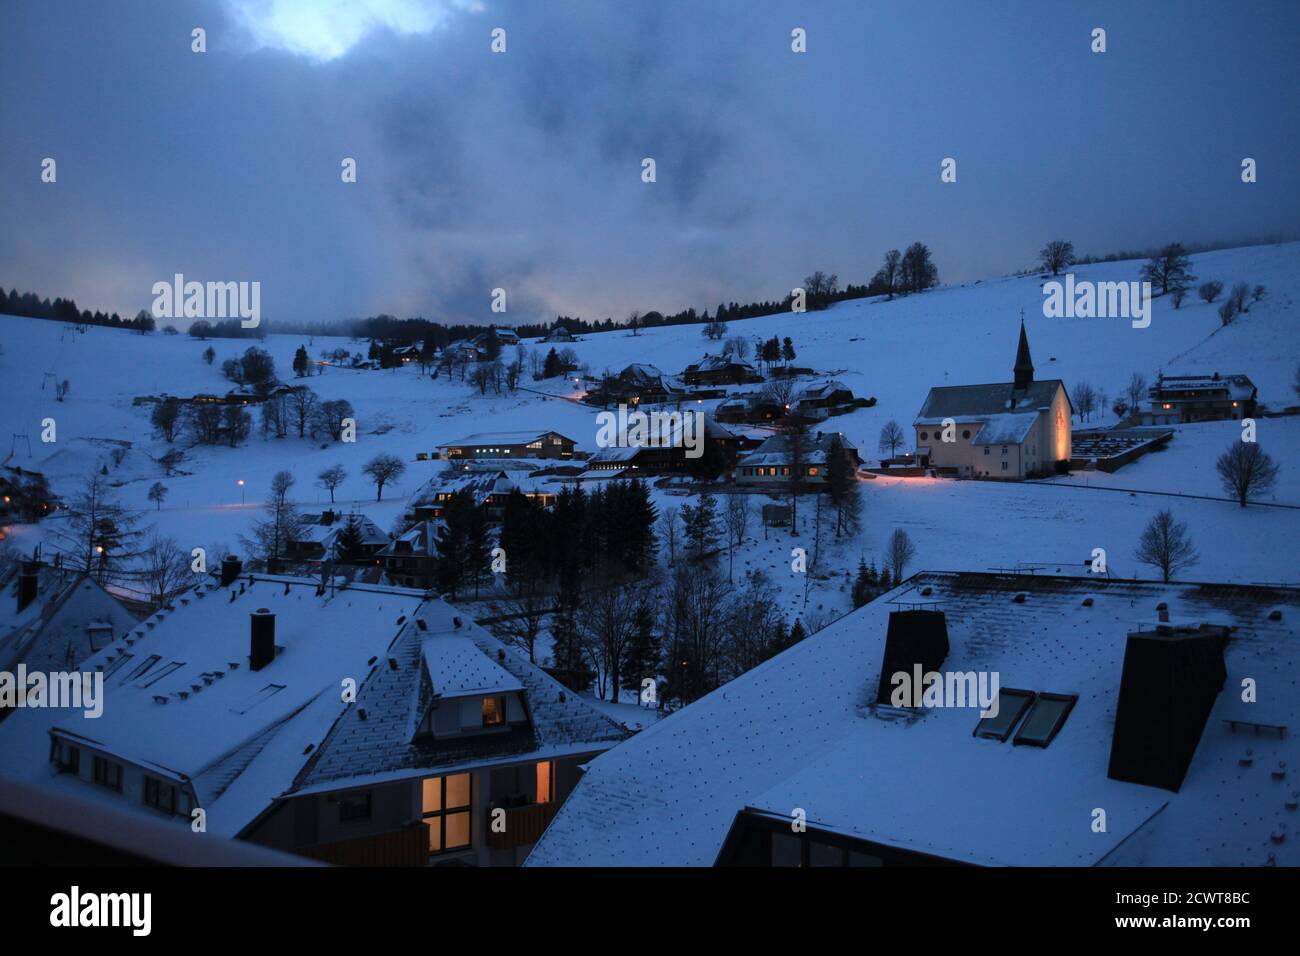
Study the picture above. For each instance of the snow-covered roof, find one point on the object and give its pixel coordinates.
(179, 695)
(51, 632)
(500, 438)
(965, 403)
(375, 739)
(776, 449)
(1008, 428)
(797, 732)
(1236, 386)
(324, 531)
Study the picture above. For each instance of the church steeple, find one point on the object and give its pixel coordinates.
(1024, 364)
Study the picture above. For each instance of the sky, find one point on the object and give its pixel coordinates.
(522, 170)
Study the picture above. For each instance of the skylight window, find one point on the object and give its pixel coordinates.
(1045, 719)
(148, 662)
(1011, 707)
(113, 667)
(263, 695)
(159, 674)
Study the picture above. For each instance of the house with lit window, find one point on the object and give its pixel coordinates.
(1119, 695)
(489, 489)
(1006, 430)
(772, 462)
(349, 723)
(1175, 399)
(518, 444)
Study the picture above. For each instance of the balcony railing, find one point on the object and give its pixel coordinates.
(524, 825)
(408, 846)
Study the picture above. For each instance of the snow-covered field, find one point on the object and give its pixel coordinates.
(892, 350)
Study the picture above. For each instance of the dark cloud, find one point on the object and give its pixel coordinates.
(522, 170)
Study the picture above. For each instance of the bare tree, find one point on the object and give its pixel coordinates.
(1240, 292)
(668, 530)
(95, 534)
(383, 469)
(900, 553)
(1166, 545)
(738, 346)
(1256, 294)
(171, 460)
(1209, 291)
(1227, 312)
(1057, 255)
(1136, 390)
(1169, 269)
(780, 392)
(331, 478)
(282, 524)
(1246, 471)
(302, 406)
(157, 492)
(736, 519)
(1085, 400)
(605, 619)
(891, 436)
(166, 417)
(164, 569)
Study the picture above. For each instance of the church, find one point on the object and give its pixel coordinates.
(1009, 430)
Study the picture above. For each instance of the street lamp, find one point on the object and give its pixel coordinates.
(241, 491)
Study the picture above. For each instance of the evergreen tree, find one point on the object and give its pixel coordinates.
(349, 543)
(552, 366)
(300, 361)
(641, 657)
(701, 525)
(863, 587)
(462, 545)
(842, 484)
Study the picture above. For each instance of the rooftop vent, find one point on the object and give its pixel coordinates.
(27, 585)
(1170, 680)
(1019, 598)
(262, 639)
(1087, 602)
(1275, 615)
(915, 638)
(231, 567)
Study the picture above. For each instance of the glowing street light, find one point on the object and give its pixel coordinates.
(241, 491)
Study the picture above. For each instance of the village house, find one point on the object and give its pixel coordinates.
(720, 370)
(559, 333)
(517, 444)
(637, 384)
(490, 490)
(820, 401)
(229, 702)
(770, 463)
(411, 559)
(53, 619)
(1116, 694)
(723, 444)
(1175, 399)
(1009, 430)
(318, 539)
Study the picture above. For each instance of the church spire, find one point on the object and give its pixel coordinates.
(1024, 364)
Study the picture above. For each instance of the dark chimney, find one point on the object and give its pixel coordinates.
(231, 568)
(27, 582)
(914, 637)
(1171, 677)
(262, 646)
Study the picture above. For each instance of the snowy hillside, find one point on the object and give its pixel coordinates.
(892, 350)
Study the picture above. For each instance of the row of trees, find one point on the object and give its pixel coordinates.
(905, 272)
(65, 310)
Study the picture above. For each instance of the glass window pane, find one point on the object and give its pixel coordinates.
(544, 781)
(1044, 720)
(458, 790)
(457, 830)
(435, 834)
(1011, 705)
(432, 794)
(822, 854)
(786, 850)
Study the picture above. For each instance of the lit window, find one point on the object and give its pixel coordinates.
(494, 711)
(812, 472)
(1011, 706)
(1045, 719)
(545, 782)
(446, 811)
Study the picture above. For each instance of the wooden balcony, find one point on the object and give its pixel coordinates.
(408, 846)
(524, 825)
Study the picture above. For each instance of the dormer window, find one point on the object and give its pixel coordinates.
(1045, 719)
(494, 711)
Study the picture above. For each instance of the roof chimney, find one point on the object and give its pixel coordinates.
(231, 568)
(914, 638)
(27, 584)
(262, 645)
(1171, 677)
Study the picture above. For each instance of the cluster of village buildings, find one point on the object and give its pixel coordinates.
(363, 720)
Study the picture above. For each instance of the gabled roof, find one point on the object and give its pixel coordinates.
(383, 746)
(798, 732)
(776, 449)
(965, 403)
(501, 438)
(50, 633)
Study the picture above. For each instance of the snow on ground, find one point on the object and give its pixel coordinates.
(892, 350)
